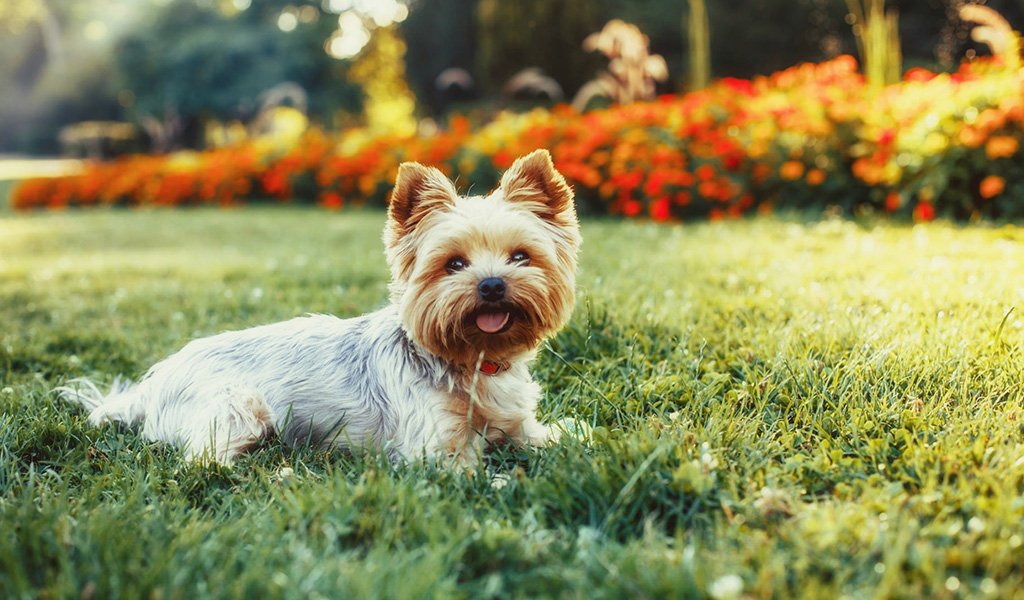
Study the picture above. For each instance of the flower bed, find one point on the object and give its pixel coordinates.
(812, 136)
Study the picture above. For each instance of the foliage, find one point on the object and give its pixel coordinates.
(698, 45)
(380, 71)
(177, 60)
(220, 64)
(878, 40)
(80, 88)
(812, 136)
(512, 36)
(440, 34)
(51, 74)
(160, 56)
(995, 32)
(780, 409)
(632, 69)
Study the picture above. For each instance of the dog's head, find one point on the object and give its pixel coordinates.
(493, 274)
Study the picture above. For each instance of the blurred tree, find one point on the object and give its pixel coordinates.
(45, 65)
(750, 37)
(219, 64)
(632, 69)
(936, 35)
(536, 33)
(440, 35)
(196, 59)
(764, 46)
(698, 45)
(661, 21)
(876, 29)
(380, 70)
(18, 15)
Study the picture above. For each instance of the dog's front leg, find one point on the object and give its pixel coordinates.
(534, 433)
(466, 451)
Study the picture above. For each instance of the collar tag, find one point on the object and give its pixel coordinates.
(489, 367)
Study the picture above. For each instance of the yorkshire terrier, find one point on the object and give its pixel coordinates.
(477, 283)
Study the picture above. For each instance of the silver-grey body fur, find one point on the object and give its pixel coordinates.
(318, 380)
(436, 373)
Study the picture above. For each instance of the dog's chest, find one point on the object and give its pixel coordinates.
(495, 407)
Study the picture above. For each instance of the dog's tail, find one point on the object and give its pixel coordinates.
(119, 403)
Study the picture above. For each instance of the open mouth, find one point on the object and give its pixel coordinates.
(493, 320)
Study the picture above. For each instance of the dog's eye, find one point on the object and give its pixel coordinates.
(519, 257)
(456, 264)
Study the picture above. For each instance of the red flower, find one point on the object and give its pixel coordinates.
(331, 200)
(893, 202)
(924, 212)
(732, 162)
(705, 172)
(918, 74)
(660, 209)
(632, 208)
(275, 183)
(503, 159)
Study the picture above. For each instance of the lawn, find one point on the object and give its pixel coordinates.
(781, 409)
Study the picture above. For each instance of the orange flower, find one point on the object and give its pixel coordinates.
(791, 170)
(991, 186)
(971, 137)
(1001, 146)
(708, 189)
(815, 177)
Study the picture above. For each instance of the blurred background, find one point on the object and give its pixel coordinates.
(98, 79)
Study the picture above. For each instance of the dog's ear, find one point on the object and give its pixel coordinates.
(418, 190)
(533, 179)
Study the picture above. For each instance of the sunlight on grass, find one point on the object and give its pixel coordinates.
(783, 408)
(25, 168)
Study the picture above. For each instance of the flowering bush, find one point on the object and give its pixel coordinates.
(811, 136)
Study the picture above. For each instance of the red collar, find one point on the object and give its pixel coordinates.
(489, 367)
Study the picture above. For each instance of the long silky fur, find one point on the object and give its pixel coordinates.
(403, 379)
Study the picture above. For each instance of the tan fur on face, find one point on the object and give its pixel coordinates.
(428, 224)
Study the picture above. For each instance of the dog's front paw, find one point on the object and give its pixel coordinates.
(536, 434)
(579, 430)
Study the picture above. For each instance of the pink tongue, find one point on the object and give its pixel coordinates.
(491, 322)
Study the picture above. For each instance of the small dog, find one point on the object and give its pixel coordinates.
(477, 283)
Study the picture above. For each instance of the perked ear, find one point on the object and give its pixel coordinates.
(533, 178)
(418, 189)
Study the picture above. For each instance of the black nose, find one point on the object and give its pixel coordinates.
(492, 289)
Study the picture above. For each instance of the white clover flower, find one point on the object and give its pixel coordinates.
(726, 587)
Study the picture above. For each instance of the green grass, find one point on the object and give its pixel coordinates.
(820, 409)
(6, 187)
